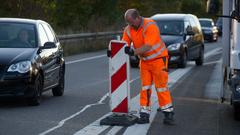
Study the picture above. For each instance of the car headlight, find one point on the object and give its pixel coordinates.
(21, 67)
(174, 47)
(238, 88)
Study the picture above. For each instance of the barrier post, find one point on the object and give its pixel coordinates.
(119, 86)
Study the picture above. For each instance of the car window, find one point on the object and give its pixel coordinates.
(17, 35)
(49, 33)
(195, 24)
(54, 34)
(170, 27)
(198, 25)
(205, 23)
(42, 35)
(186, 24)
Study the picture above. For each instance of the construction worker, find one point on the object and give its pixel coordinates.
(147, 44)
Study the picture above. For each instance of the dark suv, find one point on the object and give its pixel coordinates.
(183, 37)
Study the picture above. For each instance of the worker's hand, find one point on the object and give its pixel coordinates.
(109, 53)
(128, 50)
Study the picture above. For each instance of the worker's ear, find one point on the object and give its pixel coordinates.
(212, 6)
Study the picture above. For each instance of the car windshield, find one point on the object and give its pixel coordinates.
(170, 27)
(205, 23)
(17, 35)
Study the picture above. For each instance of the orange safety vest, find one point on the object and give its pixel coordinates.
(147, 34)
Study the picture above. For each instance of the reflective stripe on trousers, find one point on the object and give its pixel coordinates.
(148, 87)
(167, 108)
(161, 89)
(145, 109)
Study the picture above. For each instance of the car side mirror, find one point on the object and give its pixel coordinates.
(190, 31)
(49, 45)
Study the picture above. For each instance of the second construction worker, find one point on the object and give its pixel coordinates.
(147, 44)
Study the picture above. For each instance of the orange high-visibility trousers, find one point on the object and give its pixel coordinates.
(155, 72)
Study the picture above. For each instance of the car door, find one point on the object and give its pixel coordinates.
(194, 48)
(188, 39)
(50, 63)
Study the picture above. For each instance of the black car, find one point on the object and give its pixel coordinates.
(209, 29)
(183, 37)
(31, 59)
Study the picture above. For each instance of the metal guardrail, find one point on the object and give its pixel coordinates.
(88, 35)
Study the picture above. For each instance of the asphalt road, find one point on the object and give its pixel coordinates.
(85, 100)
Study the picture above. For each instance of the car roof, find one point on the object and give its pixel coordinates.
(21, 20)
(170, 16)
(205, 19)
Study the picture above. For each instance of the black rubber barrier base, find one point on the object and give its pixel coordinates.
(119, 120)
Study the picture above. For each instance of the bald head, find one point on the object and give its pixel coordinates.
(133, 18)
(133, 13)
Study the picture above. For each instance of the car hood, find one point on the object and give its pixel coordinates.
(12, 55)
(170, 39)
(206, 28)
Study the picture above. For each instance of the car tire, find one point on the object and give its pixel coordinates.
(215, 40)
(236, 112)
(183, 60)
(35, 100)
(59, 89)
(200, 59)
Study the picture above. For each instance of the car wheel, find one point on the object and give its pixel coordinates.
(37, 90)
(200, 59)
(236, 112)
(216, 37)
(183, 61)
(59, 89)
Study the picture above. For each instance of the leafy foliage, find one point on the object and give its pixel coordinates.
(94, 15)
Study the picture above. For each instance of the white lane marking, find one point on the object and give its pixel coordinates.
(114, 130)
(134, 79)
(213, 87)
(61, 123)
(86, 59)
(95, 127)
(213, 62)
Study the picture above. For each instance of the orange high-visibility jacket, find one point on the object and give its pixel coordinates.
(147, 34)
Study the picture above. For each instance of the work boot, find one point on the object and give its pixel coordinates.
(144, 118)
(168, 118)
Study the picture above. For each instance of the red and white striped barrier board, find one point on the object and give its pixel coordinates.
(119, 77)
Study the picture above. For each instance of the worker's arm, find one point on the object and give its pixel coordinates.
(125, 37)
(140, 51)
